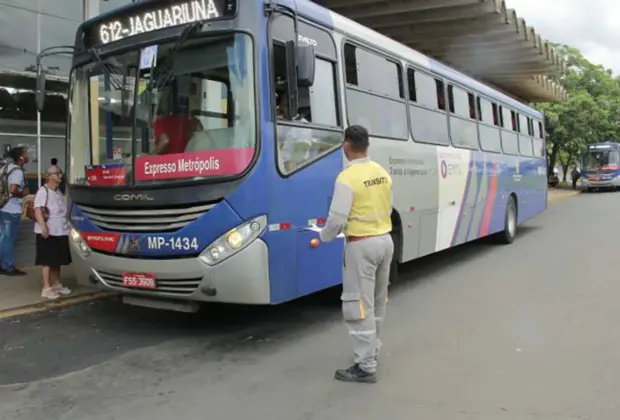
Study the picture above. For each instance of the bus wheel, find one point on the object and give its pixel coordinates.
(394, 266)
(507, 236)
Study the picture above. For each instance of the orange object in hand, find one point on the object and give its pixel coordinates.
(314, 243)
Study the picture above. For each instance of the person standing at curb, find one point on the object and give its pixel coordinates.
(11, 213)
(52, 234)
(575, 175)
(362, 208)
(54, 163)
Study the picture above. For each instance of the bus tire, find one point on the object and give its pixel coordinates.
(394, 265)
(508, 235)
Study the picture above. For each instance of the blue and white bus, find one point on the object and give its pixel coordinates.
(600, 166)
(204, 137)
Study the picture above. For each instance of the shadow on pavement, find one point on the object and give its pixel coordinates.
(49, 344)
(427, 268)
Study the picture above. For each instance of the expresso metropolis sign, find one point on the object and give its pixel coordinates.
(152, 16)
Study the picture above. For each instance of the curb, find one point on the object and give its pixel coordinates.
(563, 196)
(53, 304)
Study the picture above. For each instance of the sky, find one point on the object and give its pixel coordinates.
(592, 26)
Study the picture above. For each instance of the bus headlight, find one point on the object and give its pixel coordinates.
(233, 241)
(79, 242)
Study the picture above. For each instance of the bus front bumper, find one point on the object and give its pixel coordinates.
(243, 278)
(601, 183)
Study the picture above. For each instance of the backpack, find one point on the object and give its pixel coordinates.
(4, 184)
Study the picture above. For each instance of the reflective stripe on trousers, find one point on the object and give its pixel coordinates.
(364, 295)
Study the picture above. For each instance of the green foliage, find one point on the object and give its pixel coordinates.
(590, 115)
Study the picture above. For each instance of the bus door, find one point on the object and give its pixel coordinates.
(308, 157)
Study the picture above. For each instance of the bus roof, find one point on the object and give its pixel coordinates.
(334, 21)
(604, 145)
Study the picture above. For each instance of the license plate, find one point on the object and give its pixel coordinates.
(593, 179)
(139, 280)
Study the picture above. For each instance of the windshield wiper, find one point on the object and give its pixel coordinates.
(164, 73)
(114, 73)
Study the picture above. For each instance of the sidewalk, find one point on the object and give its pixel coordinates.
(22, 294)
(557, 194)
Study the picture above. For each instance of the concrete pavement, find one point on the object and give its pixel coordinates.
(519, 332)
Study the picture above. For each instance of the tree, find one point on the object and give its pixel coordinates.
(590, 115)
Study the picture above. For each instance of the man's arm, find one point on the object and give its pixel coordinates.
(338, 212)
(162, 144)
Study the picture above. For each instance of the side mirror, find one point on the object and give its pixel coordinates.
(40, 89)
(305, 65)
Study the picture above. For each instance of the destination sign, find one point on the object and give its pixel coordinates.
(153, 16)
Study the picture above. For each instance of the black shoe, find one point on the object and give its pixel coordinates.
(356, 374)
(15, 272)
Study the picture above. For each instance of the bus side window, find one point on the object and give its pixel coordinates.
(375, 95)
(490, 140)
(441, 94)
(540, 130)
(280, 82)
(496, 113)
(514, 120)
(322, 104)
(297, 143)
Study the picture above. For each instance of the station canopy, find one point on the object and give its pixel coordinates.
(27, 80)
(482, 38)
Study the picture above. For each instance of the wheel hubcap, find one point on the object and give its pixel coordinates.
(512, 221)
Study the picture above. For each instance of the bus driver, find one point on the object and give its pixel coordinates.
(173, 131)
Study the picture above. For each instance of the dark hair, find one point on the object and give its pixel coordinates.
(15, 153)
(357, 137)
(54, 161)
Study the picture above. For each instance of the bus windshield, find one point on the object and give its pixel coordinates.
(595, 160)
(164, 113)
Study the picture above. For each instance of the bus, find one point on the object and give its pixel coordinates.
(259, 93)
(600, 166)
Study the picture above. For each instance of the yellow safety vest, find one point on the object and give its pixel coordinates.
(372, 199)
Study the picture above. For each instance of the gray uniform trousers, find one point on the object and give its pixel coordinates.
(364, 295)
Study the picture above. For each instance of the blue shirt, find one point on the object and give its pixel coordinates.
(14, 204)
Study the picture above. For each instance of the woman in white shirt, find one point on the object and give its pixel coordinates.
(52, 229)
